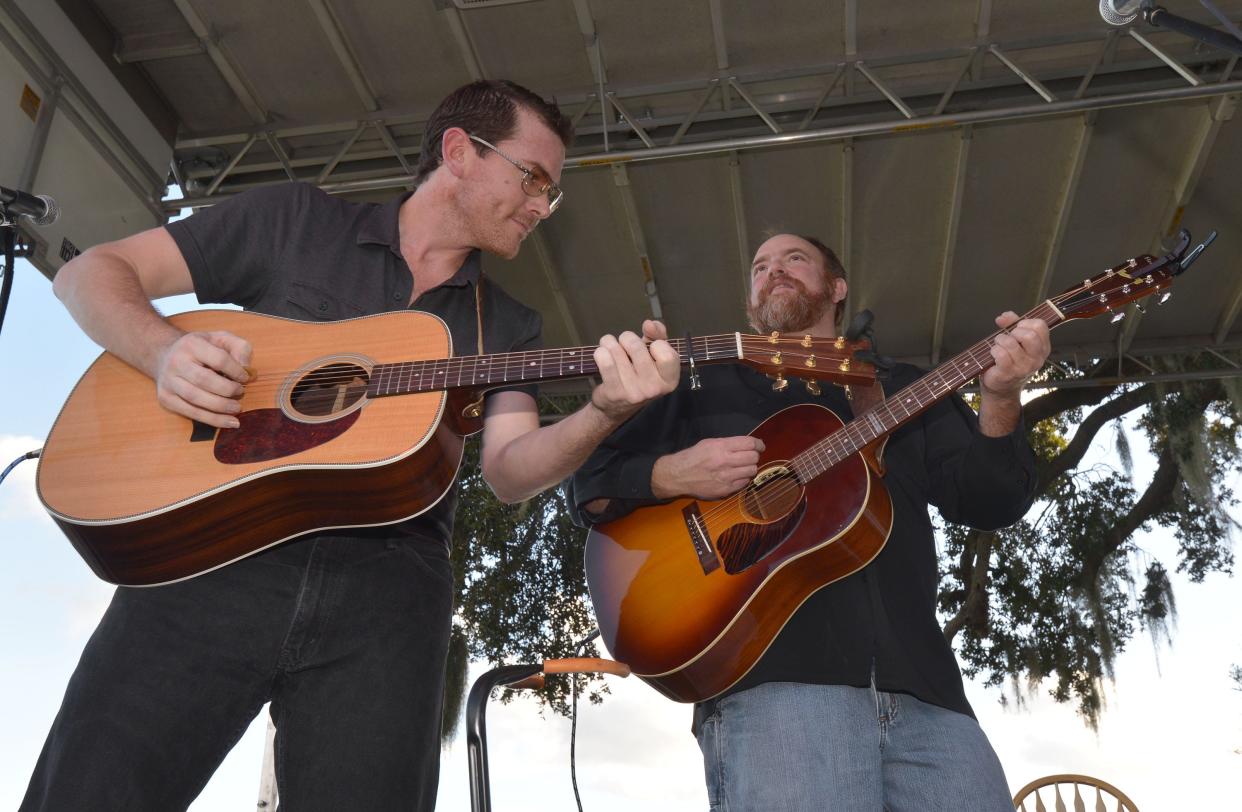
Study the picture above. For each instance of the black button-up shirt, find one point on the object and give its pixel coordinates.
(291, 250)
(884, 616)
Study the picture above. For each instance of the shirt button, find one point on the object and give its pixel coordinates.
(323, 306)
(396, 297)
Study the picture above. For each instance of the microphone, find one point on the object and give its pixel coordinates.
(42, 209)
(1122, 12)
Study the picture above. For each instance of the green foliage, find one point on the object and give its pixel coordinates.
(1070, 585)
(521, 590)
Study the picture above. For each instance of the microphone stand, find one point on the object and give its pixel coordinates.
(1161, 18)
(12, 250)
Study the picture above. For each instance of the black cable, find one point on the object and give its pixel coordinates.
(6, 286)
(29, 455)
(573, 724)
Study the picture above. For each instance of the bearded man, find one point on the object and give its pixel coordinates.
(858, 703)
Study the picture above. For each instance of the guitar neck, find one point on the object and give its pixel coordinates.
(908, 403)
(533, 366)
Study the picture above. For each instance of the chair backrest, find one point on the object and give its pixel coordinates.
(1084, 794)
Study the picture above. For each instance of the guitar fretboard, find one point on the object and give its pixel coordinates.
(479, 371)
(906, 404)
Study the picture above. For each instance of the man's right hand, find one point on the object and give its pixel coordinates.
(200, 376)
(710, 469)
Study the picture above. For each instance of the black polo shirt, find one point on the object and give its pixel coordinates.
(292, 250)
(881, 620)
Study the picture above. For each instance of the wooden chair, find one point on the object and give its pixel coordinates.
(1107, 798)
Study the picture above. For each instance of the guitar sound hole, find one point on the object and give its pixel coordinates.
(774, 507)
(328, 390)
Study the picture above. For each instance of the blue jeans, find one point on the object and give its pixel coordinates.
(346, 637)
(791, 747)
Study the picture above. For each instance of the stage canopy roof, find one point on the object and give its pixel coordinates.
(963, 158)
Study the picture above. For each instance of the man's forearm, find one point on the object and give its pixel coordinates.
(103, 295)
(539, 459)
(999, 414)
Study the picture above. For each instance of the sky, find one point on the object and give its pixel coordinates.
(1171, 736)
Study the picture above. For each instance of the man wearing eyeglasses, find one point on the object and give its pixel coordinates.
(344, 632)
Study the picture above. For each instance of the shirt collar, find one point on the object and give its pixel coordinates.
(381, 227)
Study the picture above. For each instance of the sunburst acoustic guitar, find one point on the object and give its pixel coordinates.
(691, 593)
(345, 424)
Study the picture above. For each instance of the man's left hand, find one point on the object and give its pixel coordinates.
(1019, 353)
(634, 370)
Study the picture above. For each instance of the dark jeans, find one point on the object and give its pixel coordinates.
(346, 637)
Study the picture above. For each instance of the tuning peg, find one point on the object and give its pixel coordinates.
(1164, 297)
(779, 384)
(1141, 308)
(813, 387)
(1117, 316)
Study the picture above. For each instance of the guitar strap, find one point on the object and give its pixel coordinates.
(475, 409)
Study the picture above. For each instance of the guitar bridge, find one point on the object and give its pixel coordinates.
(699, 538)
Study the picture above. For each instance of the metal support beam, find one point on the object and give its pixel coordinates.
(1178, 67)
(983, 29)
(38, 139)
(739, 224)
(971, 60)
(590, 38)
(132, 169)
(391, 143)
(83, 104)
(885, 90)
(331, 28)
(281, 155)
(465, 45)
(851, 131)
(151, 47)
(629, 119)
(712, 87)
(851, 42)
(767, 119)
(556, 284)
(1065, 206)
(819, 102)
(230, 73)
(718, 35)
(853, 299)
(1216, 113)
(950, 243)
(232, 164)
(1031, 81)
(340, 153)
(1110, 42)
(622, 180)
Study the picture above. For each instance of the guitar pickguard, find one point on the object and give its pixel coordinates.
(267, 434)
(743, 545)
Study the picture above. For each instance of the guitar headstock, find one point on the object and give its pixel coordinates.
(792, 356)
(1128, 282)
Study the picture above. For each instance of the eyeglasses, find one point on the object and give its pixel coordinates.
(534, 182)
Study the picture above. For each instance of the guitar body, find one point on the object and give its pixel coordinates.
(149, 497)
(691, 616)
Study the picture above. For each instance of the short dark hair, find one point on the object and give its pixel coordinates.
(487, 109)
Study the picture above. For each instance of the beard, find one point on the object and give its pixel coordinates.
(787, 311)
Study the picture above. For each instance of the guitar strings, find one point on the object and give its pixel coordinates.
(824, 364)
(850, 438)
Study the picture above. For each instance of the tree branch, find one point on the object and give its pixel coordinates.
(977, 556)
(1068, 459)
(1159, 494)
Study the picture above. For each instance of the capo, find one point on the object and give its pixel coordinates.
(695, 383)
